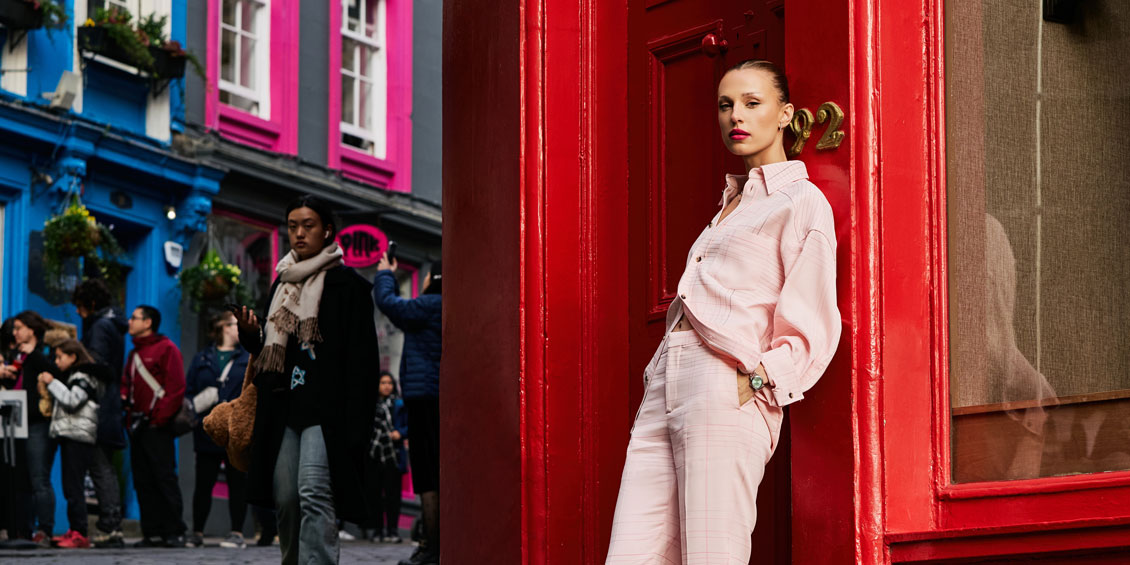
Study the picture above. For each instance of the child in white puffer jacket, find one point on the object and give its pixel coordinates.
(74, 423)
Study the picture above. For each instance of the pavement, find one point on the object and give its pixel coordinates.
(211, 553)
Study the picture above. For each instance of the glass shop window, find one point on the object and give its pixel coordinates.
(249, 245)
(245, 56)
(364, 66)
(1038, 195)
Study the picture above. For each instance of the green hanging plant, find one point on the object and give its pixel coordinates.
(75, 233)
(212, 282)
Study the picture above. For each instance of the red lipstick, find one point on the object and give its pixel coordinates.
(738, 134)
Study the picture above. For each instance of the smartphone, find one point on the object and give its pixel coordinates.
(391, 251)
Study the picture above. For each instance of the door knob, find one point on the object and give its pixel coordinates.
(712, 46)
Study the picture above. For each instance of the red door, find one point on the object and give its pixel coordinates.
(678, 51)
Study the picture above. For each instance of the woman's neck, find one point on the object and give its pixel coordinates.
(773, 154)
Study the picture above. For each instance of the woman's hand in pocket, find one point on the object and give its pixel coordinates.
(745, 392)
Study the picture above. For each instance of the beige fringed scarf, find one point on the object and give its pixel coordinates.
(294, 307)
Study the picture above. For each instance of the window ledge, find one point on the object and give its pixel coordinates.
(248, 128)
(366, 168)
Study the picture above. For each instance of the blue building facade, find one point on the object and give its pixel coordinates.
(110, 141)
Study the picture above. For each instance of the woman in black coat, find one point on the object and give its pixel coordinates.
(314, 356)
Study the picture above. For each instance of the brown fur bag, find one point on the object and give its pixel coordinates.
(230, 423)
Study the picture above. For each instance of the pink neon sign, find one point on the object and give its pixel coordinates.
(362, 245)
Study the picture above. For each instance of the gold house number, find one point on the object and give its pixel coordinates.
(803, 121)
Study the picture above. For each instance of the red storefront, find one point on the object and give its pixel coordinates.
(977, 407)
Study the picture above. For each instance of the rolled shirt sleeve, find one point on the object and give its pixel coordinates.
(806, 322)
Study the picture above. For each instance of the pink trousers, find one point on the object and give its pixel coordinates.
(695, 459)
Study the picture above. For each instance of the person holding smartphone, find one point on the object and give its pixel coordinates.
(421, 320)
(314, 352)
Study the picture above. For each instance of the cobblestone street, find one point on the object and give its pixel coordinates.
(212, 553)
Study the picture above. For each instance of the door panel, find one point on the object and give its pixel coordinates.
(677, 163)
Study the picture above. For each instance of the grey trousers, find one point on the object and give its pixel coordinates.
(105, 478)
(304, 499)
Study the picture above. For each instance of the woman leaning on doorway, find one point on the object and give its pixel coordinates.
(756, 306)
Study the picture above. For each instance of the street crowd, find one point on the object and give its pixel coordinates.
(332, 434)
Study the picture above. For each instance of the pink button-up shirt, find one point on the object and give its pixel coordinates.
(760, 285)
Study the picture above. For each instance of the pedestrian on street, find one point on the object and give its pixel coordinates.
(153, 389)
(215, 376)
(74, 424)
(15, 484)
(387, 463)
(314, 355)
(28, 329)
(103, 334)
(756, 303)
(420, 319)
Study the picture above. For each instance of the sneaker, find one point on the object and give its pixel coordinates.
(150, 542)
(175, 541)
(41, 539)
(234, 541)
(74, 540)
(195, 540)
(422, 556)
(112, 540)
(392, 538)
(344, 535)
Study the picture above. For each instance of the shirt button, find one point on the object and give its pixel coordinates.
(710, 225)
(790, 395)
(683, 296)
(697, 259)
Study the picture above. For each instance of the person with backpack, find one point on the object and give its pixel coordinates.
(104, 337)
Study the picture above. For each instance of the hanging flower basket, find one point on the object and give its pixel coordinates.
(212, 282)
(76, 234)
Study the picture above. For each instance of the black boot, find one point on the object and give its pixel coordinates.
(423, 555)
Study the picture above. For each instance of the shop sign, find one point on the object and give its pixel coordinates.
(362, 245)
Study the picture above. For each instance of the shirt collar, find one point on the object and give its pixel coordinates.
(774, 176)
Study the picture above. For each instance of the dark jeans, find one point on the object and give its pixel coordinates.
(153, 457)
(423, 451)
(76, 461)
(207, 469)
(105, 478)
(382, 481)
(40, 458)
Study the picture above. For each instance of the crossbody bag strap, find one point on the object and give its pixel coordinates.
(140, 368)
(227, 369)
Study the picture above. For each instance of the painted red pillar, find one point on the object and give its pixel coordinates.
(533, 395)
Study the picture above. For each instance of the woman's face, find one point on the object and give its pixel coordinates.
(64, 360)
(306, 231)
(228, 329)
(386, 386)
(750, 113)
(22, 333)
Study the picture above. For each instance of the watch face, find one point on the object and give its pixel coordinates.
(756, 382)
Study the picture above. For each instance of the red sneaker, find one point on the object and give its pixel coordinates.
(74, 540)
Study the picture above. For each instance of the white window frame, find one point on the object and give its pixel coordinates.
(261, 94)
(377, 76)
